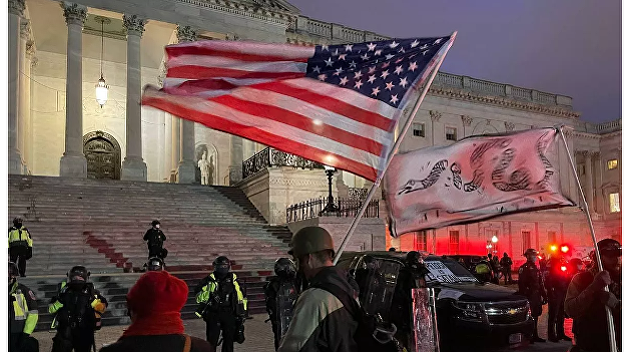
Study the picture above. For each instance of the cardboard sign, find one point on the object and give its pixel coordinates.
(440, 272)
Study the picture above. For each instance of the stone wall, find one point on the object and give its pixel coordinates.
(369, 236)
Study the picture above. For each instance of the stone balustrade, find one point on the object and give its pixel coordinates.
(609, 126)
(448, 80)
(269, 157)
(333, 32)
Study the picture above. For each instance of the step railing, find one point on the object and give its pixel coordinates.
(269, 157)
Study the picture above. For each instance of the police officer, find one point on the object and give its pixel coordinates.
(20, 245)
(506, 263)
(155, 240)
(22, 314)
(557, 286)
(78, 308)
(531, 285)
(155, 264)
(280, 294)
(223, 305)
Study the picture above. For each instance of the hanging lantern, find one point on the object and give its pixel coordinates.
(101, 91)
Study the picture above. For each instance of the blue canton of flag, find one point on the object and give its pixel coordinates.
(382, 70)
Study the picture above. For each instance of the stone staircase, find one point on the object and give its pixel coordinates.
(100, 224)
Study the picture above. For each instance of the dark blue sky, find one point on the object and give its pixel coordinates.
(569, 47)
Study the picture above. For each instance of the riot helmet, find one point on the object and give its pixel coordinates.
(414, 259)
(155, 224)
(531, 255)
(155, 264)
(285, 268)
(221, 266)
(13, 273)
(17, 222)
(311, 240)
(78, 274)
(610, 247)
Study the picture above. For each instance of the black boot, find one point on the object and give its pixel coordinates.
(536, 337)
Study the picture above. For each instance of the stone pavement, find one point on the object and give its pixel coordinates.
(259, 337)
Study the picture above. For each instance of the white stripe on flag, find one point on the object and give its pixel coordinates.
(289, 52)
(224, 62)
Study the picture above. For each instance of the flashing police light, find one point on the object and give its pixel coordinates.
(565, 249)
(553, 247)
(563, 268)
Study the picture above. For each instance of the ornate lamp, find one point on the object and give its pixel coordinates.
(101, 87)
(330, 207)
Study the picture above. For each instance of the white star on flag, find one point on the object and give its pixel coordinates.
(372, 69)
(394, 99)
(338, 71)
(395, 44)
(371, 47)
(322, 77)
(358, 75)
(342, 57)
(415, 43)
(365, 57)
(398, 70)
(358, 84)
(343, 81)
(375, 91)
(329, 62)
(325, 47)
(371, 78)
(384, 74)
(316, 69)
(389, 56)
(352, 64)
(403, 82)
(389, 85)
(412, 66)
(378, 52)
(348, 47)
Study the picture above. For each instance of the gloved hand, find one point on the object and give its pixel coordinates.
(608, 299)
(601, 280)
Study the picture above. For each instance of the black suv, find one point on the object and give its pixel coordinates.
(469, 313)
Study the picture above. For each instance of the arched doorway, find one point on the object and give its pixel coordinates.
(102, 152)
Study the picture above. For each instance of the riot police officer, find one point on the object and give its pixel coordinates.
(557, 286)
(531, 285)
(280, 294)
(23, 314)
(155, 264)
(155, 238)
(78, 307)
(20, 245)
(223, 305)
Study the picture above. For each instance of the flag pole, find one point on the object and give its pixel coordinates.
(599, 263)
(394, 149)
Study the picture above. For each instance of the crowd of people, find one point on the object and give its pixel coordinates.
(311, 303)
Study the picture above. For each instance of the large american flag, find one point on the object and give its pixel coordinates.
(334, 104)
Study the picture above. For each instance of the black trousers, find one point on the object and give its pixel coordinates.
(277, 334)
(217, 321)
(507, 275)
(18, 256)
(66, 340)
(556, 314)
(155, 251)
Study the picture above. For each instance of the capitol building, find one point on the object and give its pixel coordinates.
(76, 73)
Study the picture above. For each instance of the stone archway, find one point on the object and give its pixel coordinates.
(102, 152)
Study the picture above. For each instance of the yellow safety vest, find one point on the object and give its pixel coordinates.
(20, 237)
(212, 285)
(24, 320)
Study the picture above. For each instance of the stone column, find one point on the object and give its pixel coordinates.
(73, 163)
(235, 169)
(599, 197)
(168, 131)
(31, 61)
(16, 9)
(174, 161)
(435, 116)
(133, 166)
(588, 187)
(186, 169)
(24, 96)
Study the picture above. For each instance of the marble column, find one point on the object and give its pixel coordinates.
(73, 163)
(24, 94)
(168, 128)
(16, 9)
(187, 167)
(235, 169)
(589, 184)
(174, 147)
(599, 197)
(133, 166)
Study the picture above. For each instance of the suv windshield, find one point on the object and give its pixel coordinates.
(446, 270)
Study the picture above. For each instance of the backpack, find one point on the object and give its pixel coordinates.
(369, 327)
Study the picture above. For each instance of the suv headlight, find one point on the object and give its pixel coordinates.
(472, 311)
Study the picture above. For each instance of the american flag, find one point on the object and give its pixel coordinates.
(333, 104)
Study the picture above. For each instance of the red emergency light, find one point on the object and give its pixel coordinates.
(553, 247)
(563, 268)
(565, 249)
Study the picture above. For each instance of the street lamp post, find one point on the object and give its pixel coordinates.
(330, 207)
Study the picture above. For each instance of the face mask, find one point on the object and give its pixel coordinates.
(18, 225)
(157, 226)
(533, 259)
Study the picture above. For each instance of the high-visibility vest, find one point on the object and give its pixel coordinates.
(212, 285)
(24, 319)
(20, 237)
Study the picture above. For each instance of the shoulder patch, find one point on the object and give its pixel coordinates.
(30, 293)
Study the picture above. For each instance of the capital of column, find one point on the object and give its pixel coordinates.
(134, 24)
(74, 13)
(509, 126)
(30, 49)
(585, 153)
(34, 61)
(186, 34)
(435, 115)
(25, 28)
(467, 120)
(16, 7)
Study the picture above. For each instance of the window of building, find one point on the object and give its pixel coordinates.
(421, 241)
(526, 240)
(419, 130)
(451, 133)
(612, 164)
(614, 203)
(552, 236)
(454, 242)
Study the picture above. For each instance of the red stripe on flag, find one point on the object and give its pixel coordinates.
(287, 145)
(296, 120)
(174, 51)
(326, 102)
(201, 72)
